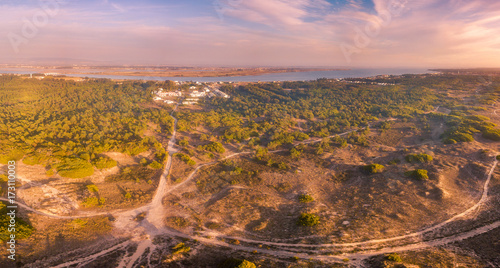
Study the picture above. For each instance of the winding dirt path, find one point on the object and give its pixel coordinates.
(153, 225)
(484, 196)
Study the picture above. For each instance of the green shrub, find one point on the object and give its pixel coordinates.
(155, 165)
(419, 174)
(214, 147)
(283, 166)
(50, 172)
(34, 160)
(92, 188)
(373, 168)
(104, 162)
(180, 249)
(185, 158)
(183, 143)
(85, 156)
(492, 134)
(420, 158)
(295, 153)
(237, 263)
(308, 219)
(75, 168)
(23, 228)
(393, 257)
(305, 198)
(90, 202)
(13, 155)
(246, 264)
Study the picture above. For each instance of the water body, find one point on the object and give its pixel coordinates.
(295, 76)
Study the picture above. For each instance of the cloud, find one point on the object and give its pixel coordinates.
(424, 33)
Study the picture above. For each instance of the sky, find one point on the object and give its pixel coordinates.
(329, 33)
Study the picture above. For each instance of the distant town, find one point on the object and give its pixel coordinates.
(193, 94)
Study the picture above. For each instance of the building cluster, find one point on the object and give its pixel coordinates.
(365, 82)
(192, 96)
(217, 92)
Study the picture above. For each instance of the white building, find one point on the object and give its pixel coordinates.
(196, 94)
(169, 94)
(220, 93)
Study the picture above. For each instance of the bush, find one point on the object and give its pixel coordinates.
(214, 147)
(393, 257)
(236, 263)
(283, 166)
(246, 264)
(305, 198)
(420, 158)
(155, 165)
(419, 174)
(34, 160)
(295, 153)
(183, 143)
(23, 228)
(492, 134)
(92, 188)
(373, 168)
(185, 158)
(104, 162)
(15, 155)
(180, 248)
(90, 202)
(75, 168)
(308, 219)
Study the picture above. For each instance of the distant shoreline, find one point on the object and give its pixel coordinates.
(282, 75)
(167, 71)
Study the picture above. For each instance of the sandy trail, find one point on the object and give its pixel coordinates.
(90, 258)
(153, 225)
(484, 196)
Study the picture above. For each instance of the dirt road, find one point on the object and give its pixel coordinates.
(143, 231)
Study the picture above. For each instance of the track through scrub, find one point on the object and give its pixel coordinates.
(144, 231)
